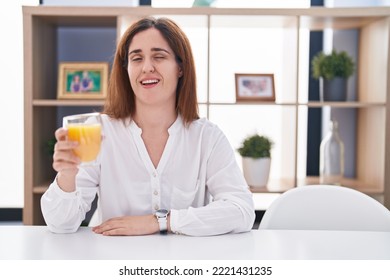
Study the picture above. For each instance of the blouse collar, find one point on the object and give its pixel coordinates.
(174, 128)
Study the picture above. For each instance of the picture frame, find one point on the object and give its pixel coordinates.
(255, 87)
(82, 80)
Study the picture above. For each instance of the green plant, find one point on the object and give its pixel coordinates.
(336, 64)
(256, 146)
(50, 145)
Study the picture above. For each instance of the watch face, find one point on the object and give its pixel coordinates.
(162, 213)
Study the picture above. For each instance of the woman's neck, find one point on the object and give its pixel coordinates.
(154, 121)
(154, 125)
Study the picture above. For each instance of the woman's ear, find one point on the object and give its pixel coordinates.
(180, 73)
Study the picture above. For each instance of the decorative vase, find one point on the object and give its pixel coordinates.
(256, 171)
(332, 157)
(333, 90)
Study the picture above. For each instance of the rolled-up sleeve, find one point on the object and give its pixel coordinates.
(64, 212)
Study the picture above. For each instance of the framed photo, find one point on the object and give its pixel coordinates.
(82, 80)
(255, 87)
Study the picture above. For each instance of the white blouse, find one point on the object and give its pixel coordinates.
(197, 179)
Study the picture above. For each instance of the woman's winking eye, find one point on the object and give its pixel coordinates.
(159, 56)
(135, 58)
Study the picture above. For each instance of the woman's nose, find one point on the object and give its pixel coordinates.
(148, 66)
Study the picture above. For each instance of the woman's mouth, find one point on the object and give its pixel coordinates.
(149, 82)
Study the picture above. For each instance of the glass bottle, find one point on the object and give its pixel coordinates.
(332, 157)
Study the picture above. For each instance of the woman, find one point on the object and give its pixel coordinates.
(161, 168)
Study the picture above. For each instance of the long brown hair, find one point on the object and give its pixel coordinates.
(120, 102)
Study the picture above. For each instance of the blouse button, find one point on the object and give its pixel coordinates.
(155, 192)
(156, 207)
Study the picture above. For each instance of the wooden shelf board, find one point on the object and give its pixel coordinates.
(347, 104)
(344, 22)
(56, 102)
(313, 104)
(314, 18)
(41, 189)
(282, 185)
(356, 184)
(275, 186)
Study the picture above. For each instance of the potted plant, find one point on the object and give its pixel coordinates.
(333, 71)
(256, 159)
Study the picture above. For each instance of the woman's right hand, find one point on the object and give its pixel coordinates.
(65, 162)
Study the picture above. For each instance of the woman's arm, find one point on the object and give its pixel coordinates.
(63, 207)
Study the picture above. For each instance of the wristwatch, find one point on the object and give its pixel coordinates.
(162, 217)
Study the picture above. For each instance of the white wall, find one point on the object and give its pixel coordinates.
(11, 113)
(11, 92)
(11, 79)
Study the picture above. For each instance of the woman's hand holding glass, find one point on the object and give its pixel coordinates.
(78, 143)
(86, 129)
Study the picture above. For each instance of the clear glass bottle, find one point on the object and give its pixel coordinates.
(332, 157)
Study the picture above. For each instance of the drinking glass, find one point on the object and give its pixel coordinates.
(86, 129)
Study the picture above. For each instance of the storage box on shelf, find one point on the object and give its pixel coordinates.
(48, 40)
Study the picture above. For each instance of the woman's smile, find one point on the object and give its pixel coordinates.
(149, 83)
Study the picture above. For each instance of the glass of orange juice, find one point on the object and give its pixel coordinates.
(86, 129)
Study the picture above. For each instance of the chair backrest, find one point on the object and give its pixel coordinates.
(324, 207)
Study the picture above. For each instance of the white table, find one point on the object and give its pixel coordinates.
(36, 242)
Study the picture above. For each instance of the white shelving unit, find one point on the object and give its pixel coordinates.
(42, 110)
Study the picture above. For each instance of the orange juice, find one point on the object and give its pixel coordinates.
(89, 138)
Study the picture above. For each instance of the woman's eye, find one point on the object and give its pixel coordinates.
(159, 57)
(136, 59)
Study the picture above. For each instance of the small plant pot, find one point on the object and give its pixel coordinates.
(256, 171)
(333, 90)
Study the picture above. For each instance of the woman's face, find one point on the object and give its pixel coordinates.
(152, 68)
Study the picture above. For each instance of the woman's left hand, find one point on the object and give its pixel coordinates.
(128, 225)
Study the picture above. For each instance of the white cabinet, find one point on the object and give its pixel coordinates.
(221, 31)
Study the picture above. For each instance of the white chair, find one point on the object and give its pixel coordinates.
(324, 207)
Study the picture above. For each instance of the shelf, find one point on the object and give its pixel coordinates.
(341, 22)
(41, 189)
(362, 186)
(257, 103)
(311, 104)
(282, 185)
(347, 104)
(78, 102)
(275, 186)
(46, 31)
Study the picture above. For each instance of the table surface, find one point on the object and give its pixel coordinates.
(37, 242)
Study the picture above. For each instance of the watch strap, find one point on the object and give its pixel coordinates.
(162, 219)
(163, 224)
